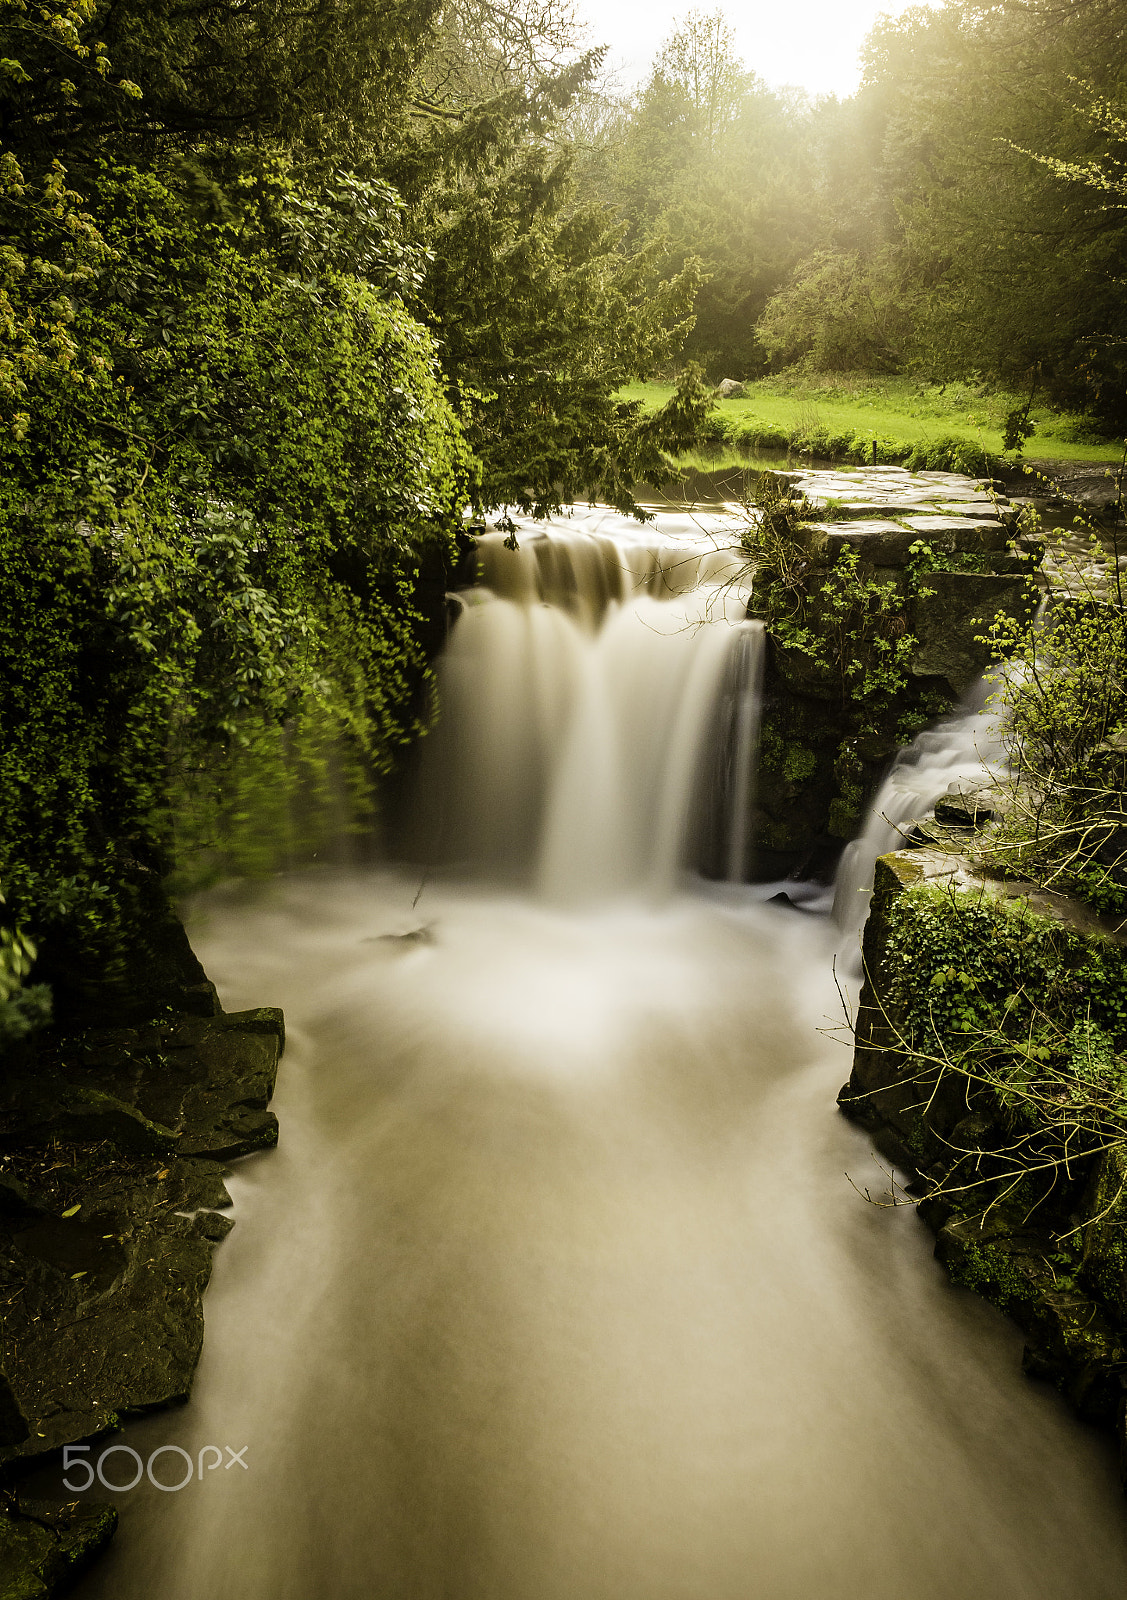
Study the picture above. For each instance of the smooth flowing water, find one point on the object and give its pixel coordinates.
(965, 747)
(556, 1288)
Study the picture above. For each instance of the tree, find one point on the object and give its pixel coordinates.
(700, 57)
(327, 75)
(542, 311)
(209, 551)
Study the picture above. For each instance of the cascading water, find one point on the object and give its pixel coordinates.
(965, 747)
(585, 683)
(554, 1289)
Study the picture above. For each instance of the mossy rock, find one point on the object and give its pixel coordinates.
(951, 622)
(1105, 1236)
(44, 1548)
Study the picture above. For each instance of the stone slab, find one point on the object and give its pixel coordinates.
(879, 540)
(955, 616)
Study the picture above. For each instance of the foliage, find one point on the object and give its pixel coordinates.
(842, 632)
(237, 370)
(708, 164)
(699, 57)
(146, 76)
(839, 314)
(960, 218)
(24, 1007)
(850, 626)
(841, 416)
(1065, 725)
(52, 247)
(950, 454)
(1021, 270)
(541, 312)
(1015, 1021)
(208, 552)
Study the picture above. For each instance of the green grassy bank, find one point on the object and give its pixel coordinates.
(842, 415)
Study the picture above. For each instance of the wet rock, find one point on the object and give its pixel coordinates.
(951, 622)
(960, 534)
(90, 1116)
(1072, 1344)
(113, 1206)
(13, 1423)
(1105, 1234)
(108, 1319)
(967, 805)
(194, 1085)
(878, 540)
(44, 1548)
(13, 1196)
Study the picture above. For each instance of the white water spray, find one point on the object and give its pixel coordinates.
(580, 691)
(964, 748)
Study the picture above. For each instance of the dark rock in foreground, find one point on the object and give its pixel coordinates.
(111, 1198)
(44, 1548)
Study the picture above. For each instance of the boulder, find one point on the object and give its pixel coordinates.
(731, 389)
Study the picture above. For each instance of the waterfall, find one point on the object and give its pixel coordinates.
(596, 676)
(748, 695)
(554, 1289)
(964, 747)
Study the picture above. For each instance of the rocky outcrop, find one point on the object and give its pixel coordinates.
(949, 550)
(1053, 1257)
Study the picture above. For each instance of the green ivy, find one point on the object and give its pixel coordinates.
(209, 553)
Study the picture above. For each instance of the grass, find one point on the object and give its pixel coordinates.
(894, 411)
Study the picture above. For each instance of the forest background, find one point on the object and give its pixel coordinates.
(285, 290)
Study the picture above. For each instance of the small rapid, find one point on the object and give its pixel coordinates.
(964, 748)
(556, 1288)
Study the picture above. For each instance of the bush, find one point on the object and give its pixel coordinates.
(755, 435)
(950, 454)
(207, 552)
(1065, 699)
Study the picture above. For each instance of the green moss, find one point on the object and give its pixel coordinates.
(798, 763)
(845, 812)
(1018, 1019)
(989, 1271)
(208, 561)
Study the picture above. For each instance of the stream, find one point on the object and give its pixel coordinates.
(556, 1287)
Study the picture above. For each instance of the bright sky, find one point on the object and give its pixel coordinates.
(813, 43)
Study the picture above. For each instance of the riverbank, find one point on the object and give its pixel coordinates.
(841, 417)
(1000, 1100)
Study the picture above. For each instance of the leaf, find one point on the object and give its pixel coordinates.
(71, 1210)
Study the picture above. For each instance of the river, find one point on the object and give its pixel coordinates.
(557, 1287)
